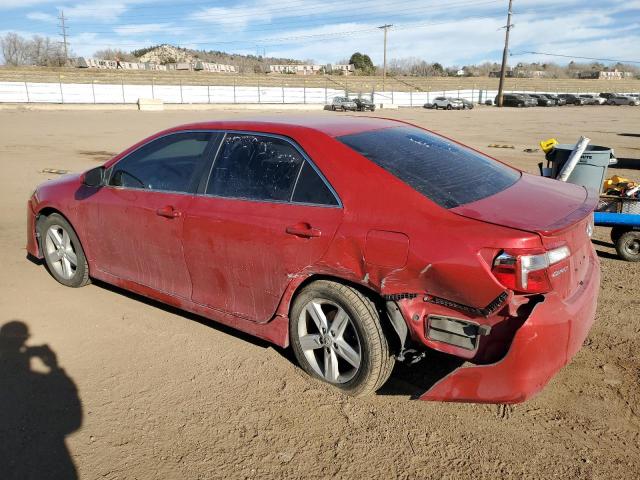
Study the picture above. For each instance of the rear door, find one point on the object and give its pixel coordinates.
(265, 215)
(137, 229)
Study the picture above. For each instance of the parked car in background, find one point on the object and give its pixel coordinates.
(517, 100)
(607, 95)
(447, 103)
(364, 104)
(278, 228)
(543, 100)
(467, 104)
(559, 101)
(344, 104)
(572, 99)
(623, 100)
(529, 101)
(592, 99)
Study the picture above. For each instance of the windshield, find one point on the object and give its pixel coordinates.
(443, 171)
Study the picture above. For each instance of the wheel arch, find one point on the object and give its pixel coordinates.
(48, 211)
(296, 286)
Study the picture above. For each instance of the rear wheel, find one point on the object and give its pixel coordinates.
(628, 246)
(337, 337)
(449, 107)
(62, 251)
(617, 232)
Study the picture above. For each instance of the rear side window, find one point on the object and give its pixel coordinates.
(255, 167)
(443, 171)
(310, 188)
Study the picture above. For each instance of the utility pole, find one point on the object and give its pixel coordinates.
(63, 34)
(384, 65)
(505, 54)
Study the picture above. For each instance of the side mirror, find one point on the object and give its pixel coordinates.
(93, 177)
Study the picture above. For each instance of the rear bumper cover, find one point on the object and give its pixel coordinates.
(545, 343)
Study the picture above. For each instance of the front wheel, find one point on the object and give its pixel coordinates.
(449, 107)
(628, 246)
(63, 254)
(337, 337)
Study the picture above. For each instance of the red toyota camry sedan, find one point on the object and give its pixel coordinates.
(359, 242)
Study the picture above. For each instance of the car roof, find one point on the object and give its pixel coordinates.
(332, 126)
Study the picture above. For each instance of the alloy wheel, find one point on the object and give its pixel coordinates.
(61, 252)
(329, 341)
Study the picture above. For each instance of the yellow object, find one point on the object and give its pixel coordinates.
(547, 145)
(617, 183)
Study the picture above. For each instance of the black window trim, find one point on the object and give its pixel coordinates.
(207, 153)
(305, 158)
(212, 151)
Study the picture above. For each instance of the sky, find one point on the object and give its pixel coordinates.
(454, 32)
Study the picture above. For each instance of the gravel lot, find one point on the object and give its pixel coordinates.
(169, 395)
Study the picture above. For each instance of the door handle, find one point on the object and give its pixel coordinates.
(303, 230)
(168, 212)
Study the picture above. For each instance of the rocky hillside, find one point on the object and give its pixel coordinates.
(164, 54)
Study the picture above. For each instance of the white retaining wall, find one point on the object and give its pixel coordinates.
(98, 93)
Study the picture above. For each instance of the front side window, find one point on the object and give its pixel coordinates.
(443, 171)
(255, 167)
(166, 164)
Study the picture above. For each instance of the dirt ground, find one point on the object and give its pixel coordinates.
(169, 395)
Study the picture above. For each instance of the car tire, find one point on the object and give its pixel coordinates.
(449, 107)
(352, 353)
(617, 232)
(628, 246)
(333, 108)
(632, 104)
(62, 251)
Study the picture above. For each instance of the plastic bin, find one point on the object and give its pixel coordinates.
(590, 171)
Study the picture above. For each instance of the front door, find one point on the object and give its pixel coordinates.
(139, 215)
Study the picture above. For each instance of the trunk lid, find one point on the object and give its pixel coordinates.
(533, 204)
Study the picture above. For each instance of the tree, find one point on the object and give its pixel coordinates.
(41, 51)
(15, 49)
(362, 63)
(113, 54)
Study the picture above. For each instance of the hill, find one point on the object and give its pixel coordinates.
(164, 54)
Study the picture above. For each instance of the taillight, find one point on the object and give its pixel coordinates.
(527, 272)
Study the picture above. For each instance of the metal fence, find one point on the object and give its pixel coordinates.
(129, 93)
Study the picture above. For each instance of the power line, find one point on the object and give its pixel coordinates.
(231, 19)
(575, 56)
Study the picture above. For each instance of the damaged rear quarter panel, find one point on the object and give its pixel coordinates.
(447, 254)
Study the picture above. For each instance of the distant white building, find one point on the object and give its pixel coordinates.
(83, 62)
(605, 75)
(345, 69)
(298, 69)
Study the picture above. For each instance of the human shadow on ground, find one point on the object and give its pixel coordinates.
(38, 409)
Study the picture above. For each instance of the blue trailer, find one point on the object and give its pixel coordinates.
(623, 216)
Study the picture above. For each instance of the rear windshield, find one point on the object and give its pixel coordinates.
(443, 171)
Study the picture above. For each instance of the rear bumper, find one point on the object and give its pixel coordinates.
(546, 342)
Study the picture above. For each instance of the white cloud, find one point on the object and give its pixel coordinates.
(41, 17)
